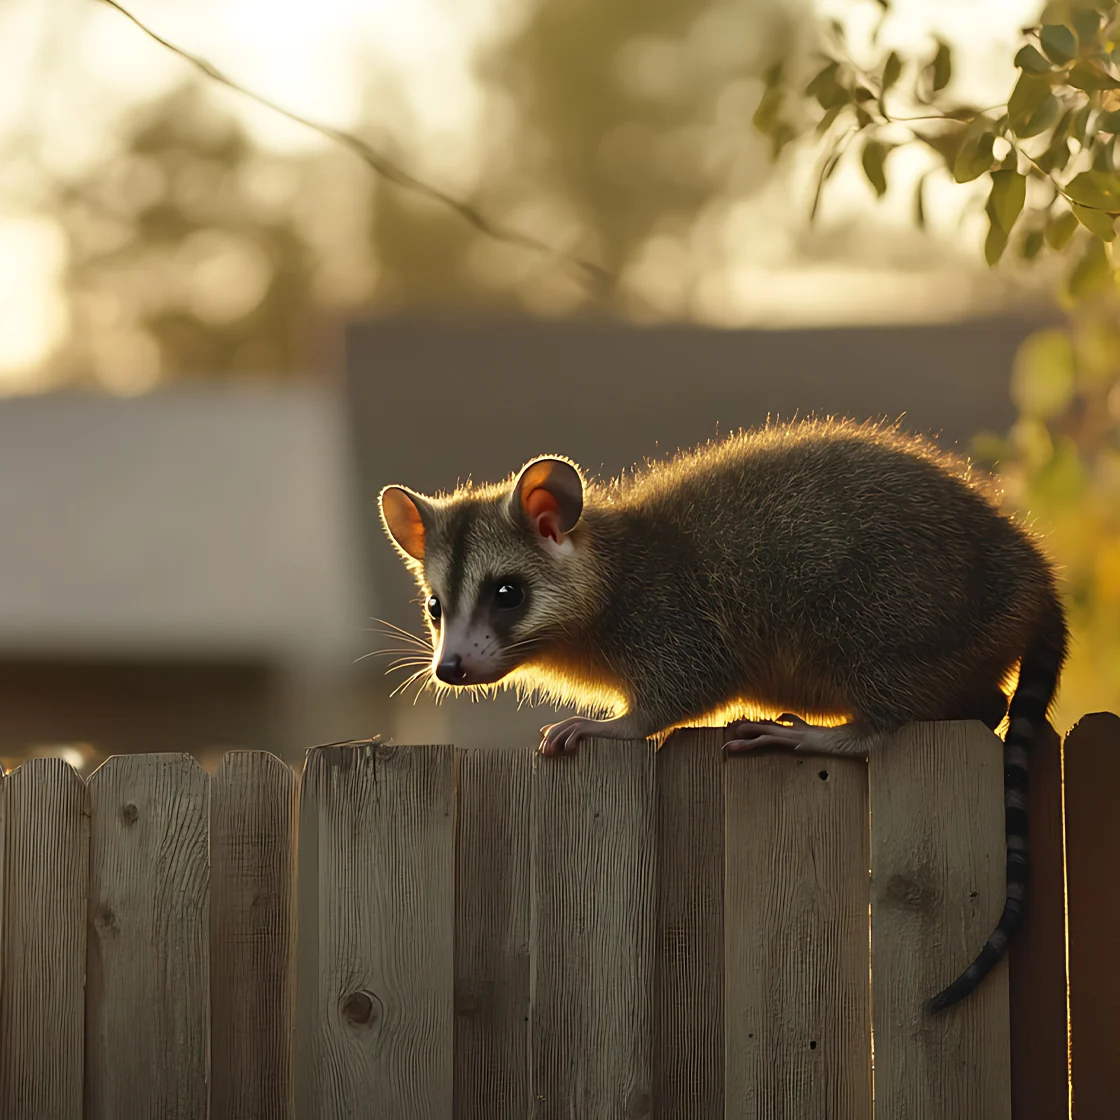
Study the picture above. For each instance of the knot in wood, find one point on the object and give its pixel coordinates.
(130, 814)
(909, 892)
(362, 1009)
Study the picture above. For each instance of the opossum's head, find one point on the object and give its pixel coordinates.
(498, 567)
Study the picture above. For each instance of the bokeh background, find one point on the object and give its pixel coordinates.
(221, 332)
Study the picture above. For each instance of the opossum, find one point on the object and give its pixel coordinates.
(821, 568)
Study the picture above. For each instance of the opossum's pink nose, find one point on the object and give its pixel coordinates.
(450, 670)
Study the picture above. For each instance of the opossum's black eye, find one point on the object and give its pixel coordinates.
(434, 609)
(509, 594)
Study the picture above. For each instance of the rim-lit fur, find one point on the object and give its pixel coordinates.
(835, 570)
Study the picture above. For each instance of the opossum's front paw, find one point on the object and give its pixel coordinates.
(787, 732)
(563, 737)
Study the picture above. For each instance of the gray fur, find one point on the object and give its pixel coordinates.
(823, 568)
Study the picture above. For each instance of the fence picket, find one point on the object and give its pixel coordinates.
(42, 1004)
(688, 994)
(148, 1007)
(798, 1000)
(492, 936)
(252, 937)
(1037, 957)
(594, 852)
(375, 971)
(938, 853)
(1092, 771)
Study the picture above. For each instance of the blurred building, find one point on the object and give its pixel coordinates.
(179, 571)
(196, 568)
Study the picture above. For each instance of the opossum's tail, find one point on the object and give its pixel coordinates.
(1038, 681)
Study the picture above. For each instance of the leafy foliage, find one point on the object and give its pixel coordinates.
(1057, 129)
(1050, 160)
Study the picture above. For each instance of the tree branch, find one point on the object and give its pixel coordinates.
(380, 163)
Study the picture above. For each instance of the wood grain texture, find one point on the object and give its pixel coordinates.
(1092, 776)
(376, 882)
(252, 937)
(1037, 957)
(594, 890)
(938, 857)
(148, 977)
(798, 1000)
(688, 992)
(492, 935)
(42, 1005)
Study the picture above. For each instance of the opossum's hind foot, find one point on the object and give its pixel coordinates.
(790, 732)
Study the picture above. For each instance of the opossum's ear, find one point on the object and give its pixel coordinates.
(548, 497)
(402, 514)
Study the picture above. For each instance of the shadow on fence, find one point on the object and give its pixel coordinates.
(490, 935)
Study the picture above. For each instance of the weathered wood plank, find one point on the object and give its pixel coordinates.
(1037, 957)
(798, 992)
(688, 994)
(42, 1005)
(594, 852)
(492, 936)
(148, 980)
(1092, 776)
(938, 857)
(252, 937)
(376, 882)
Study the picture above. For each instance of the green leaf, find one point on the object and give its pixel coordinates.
(1087, 26)
(1029, 93)
(766, 115)
(1040, 119)
(1058, 42)
(1092, 272)
(892, 69)
(874, 157)
(1059, 229)
(772, 75)
(1091, 77)
(1109, 122)
(1102, 160)
(942, 65)
(1031, 245)
(1079, 125)
(974, 157)
(826, 87)
(1097, 189)
(994, 244)
(1056, 155)
(1097, 222)
(829, 167)
(782, 133)
(1042, 377)
(1032, 61)
(1005, 203)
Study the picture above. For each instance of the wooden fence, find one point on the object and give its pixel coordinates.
(489, 935)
